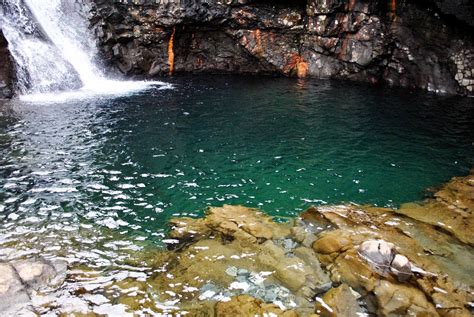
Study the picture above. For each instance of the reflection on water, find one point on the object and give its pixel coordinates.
(95, 181)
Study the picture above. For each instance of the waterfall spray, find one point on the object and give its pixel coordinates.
(54, 50)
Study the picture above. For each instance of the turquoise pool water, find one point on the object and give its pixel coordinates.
(128, 164)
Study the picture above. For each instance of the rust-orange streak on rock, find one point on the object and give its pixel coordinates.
(393, 10)
(344, 46)
(302, 68)
(351, 5)
(298, 64)
(171, 52)
(258, 40)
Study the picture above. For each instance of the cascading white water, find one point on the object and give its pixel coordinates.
(40, 66)
(54, 50)
(66, 28)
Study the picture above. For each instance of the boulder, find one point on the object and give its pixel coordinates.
(382, 257)
(20, 280)
(13, 294)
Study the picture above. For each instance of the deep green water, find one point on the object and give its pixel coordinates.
(132, 162)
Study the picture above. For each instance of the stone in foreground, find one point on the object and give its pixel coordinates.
(20, 280)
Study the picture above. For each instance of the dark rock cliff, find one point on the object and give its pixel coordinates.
(6, 69)
(427, 44)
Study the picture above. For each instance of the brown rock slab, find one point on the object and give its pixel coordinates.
(340, 301)
(230, 222)
(452, 210)
(244, 223)
(328, 244)
(397, 299)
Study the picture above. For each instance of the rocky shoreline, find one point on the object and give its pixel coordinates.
(343, 260)
(330, 261)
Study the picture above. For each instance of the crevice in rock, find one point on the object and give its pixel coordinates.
(7, 69)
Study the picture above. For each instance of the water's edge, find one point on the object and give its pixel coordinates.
(237, 261)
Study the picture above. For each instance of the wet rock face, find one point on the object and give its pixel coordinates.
(424, 45)
(6, 69)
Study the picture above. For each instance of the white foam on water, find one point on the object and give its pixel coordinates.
(107, 88)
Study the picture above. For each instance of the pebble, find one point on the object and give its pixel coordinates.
(243, 272)
(242, 279)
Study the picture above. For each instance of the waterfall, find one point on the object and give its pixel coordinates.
(40, 66)
(67, 29)
(54, 50)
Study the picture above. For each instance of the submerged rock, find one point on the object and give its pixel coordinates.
(247, 306)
